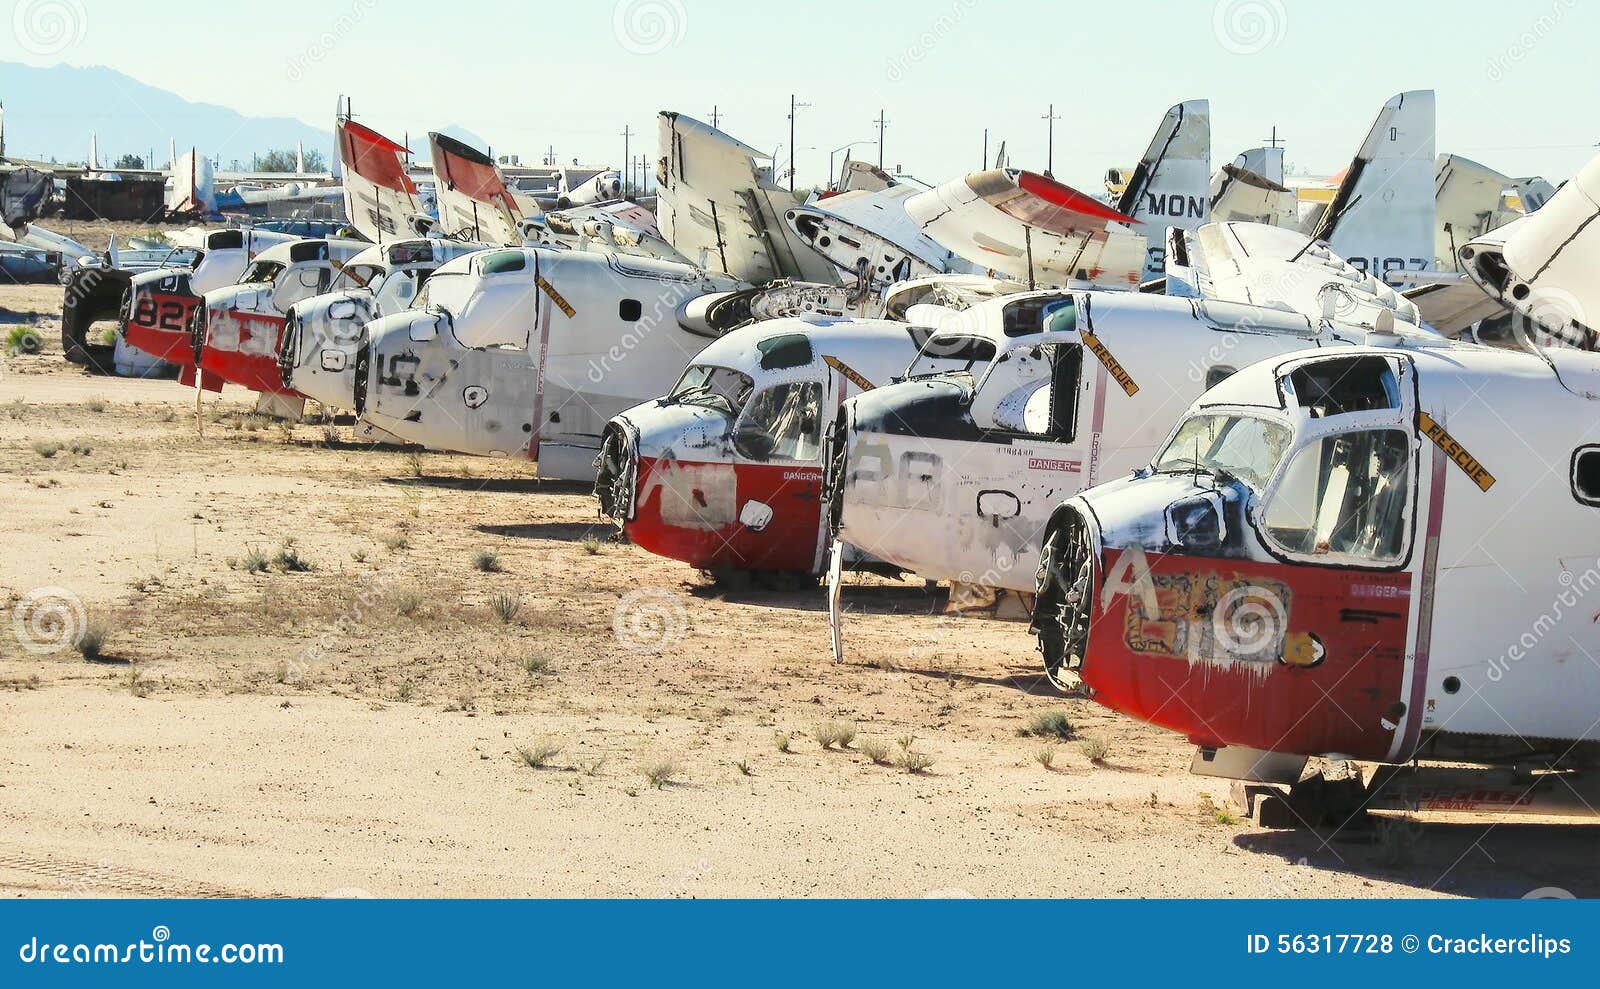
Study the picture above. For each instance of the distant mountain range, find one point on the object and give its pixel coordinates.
(50, 112)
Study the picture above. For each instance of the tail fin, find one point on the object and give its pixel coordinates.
(1381, 219)
(1171, 187)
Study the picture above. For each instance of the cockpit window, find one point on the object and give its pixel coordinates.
(1243, 447)
(1346, 384)
(354, 276)
(940, 350)
(262, 271)
(782, 423)
(1345, 494)
(715, 387)
(398, 289)
(785, 351)
(503, 261)
(1028, 315)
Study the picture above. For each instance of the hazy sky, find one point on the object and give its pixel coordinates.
(1516, 80)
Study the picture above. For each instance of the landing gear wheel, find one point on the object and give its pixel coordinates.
(1061, 614)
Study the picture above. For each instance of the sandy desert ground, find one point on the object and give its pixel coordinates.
(355, 726)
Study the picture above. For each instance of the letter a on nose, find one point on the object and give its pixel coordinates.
(1131, 574)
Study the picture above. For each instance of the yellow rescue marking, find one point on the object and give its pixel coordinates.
(340, 269)
(550, 290)
(1455, 451)
(850, 373)
(1117, 371)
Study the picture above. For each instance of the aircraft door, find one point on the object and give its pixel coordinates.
(1032, 459)
(778, 442)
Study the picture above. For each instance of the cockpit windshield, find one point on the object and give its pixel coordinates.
(398, 289)
(720, 388)
(262, 272)
(1246, 448)
(355, 276)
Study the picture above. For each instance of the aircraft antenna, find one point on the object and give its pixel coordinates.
(1050, 142)
(627, 134)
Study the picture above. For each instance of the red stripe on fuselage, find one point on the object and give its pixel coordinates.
(690, 512)
(254, 365)
(159, 326)
(1171, 670)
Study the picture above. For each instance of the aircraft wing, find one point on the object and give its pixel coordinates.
(872, 232)
(719, 206)
(1453, 306)
(379, 197)
(1032, 229)
(1262, 265)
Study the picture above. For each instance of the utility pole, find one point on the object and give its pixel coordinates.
(1274, 141)
(882, 122)
(714, 117)
(1050, 142)
(627, 132)
(984, 164)
(793, 106)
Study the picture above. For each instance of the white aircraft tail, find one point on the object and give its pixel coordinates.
(193, 186)
(1381, 220)
(474, 203)
(1171, 186)
(380, 199)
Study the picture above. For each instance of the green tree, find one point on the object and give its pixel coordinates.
(129, 161)
(282, 160)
